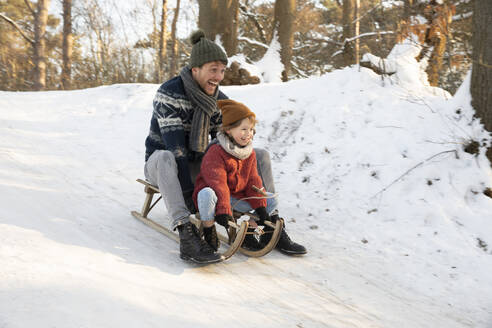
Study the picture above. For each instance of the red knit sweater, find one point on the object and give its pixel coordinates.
(229, 176)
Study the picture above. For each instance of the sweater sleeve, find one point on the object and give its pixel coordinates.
(170, 125)
(254, 180)
(214, 173)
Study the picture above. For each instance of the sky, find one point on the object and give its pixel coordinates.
(133, 18)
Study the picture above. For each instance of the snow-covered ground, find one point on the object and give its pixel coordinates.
(372, 178)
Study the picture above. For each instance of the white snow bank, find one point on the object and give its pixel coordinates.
(372, 179)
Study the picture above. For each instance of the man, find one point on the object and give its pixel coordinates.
(185, 115)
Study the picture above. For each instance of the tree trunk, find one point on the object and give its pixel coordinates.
(284, 24)
(220, 17)
(356, 31)
(348, 32)
(67, 45)
(40, 21)
(208, 17)
(228, 16)
(174, 44)
(162, 42)
(408, 9)
(481, 79)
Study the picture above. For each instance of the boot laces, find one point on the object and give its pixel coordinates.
(211, 238)
(205, 247)
(285, 237)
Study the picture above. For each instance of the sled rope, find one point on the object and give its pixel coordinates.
(261, 191)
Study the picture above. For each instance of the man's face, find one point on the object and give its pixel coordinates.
(209, 76)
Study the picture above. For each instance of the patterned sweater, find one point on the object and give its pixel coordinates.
(170, 127)
(229, 176)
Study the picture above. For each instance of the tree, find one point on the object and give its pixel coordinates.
(31, 25)
(356, 31)
(162, 42)
(348, 32)
(284, 25)
(439, 16)
(207, 17)
(66, 80)
(40, 21)
(220, 18)
(432, 33)
(228, 24)
(481, 79)
(174, 43)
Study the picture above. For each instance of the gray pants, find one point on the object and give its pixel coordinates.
(161, 170)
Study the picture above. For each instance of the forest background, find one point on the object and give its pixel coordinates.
(76, 44)
(86, 43)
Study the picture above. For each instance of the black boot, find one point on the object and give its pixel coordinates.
(250, 242)
(210, 236)
(193, 248)
(287, 246)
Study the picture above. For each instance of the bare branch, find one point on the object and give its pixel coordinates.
(367, 13)
(462, 16)
(368, 34)
(18, 28)
(253, 42)
(379, 69)
(257, 24)
(28, 4)
(326, 40)
(413, 168)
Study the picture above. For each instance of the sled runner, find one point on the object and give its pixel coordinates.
(236, 231)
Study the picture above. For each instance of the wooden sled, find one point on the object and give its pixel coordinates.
(235, 232)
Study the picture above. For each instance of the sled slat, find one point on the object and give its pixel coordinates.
(156, 226)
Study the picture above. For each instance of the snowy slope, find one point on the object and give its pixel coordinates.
(372, 178)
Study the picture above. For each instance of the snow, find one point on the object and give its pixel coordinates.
(372, 178)
(270, 64)
(410, 74)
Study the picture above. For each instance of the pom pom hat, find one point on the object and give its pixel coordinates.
(233, 111)
(204, 50)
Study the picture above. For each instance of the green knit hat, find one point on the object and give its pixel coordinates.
(204, 50)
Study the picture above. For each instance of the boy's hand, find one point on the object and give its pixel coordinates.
(262, 214)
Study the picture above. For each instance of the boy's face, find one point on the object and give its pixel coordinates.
(243, 133)
(209, 76)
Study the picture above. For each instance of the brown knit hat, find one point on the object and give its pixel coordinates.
(233, 111)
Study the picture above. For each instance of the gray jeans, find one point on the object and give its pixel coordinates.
(161, 170)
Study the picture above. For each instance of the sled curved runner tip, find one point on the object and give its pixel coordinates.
(238, 231)
(277, 229)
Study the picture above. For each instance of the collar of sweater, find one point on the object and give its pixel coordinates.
(232, 148)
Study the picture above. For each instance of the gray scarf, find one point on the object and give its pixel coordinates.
(205, 107)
